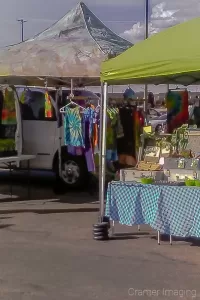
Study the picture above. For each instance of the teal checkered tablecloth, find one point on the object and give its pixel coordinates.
(170, 209)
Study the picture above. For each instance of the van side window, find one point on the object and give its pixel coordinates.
(34, 108)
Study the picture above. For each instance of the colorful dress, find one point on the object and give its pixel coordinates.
(73, 127)
(88, 118)
(111, 136)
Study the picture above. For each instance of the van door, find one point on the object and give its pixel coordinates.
(38, 131)
(18, 134)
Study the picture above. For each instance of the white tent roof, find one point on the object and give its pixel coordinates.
(74, 47)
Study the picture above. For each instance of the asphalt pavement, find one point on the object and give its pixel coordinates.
(47, 253)
(53, 256)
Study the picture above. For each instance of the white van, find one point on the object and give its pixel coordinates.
(40, 136)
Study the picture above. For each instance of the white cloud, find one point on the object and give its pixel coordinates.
(164, 15)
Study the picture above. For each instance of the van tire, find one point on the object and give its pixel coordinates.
(74, 171)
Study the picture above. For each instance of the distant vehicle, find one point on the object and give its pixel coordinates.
(154, 113)
(159, 123)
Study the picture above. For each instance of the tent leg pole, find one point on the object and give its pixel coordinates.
(60, 144)
(146, 102)
(100, 144)
(102, 173)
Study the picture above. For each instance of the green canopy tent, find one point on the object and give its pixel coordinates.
(169, 57)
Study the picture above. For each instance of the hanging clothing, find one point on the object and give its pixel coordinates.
(120, 131)
(48, 106)
(9, 111)
(87, 125)
(111, 155)
(177, 109)
(22, 97)
(111, 129)
(126, 144)
(73, 127)
(96, 137)
(137, 129)
(111, 135)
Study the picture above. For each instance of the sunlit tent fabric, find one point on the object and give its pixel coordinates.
(73, 47)
(169, 57)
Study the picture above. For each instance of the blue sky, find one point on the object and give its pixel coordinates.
(42, 13)
(121, 16)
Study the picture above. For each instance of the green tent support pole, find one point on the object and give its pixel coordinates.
(146, 37)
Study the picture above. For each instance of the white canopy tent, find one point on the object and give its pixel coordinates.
(73, 47)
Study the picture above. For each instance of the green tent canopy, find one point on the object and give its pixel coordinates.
(169, 57)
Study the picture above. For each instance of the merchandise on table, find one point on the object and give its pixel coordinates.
(132, 174)
(179, 163)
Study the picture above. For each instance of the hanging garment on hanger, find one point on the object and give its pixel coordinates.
(48, 106)
(138, 124)
(87, 125)
(9, 111)
(120, 130)
(111, 129)
(177, 109)
(126, 144)
(94, 139)
(73, 127)
(76, 151)
(97, 122)
(111, 138)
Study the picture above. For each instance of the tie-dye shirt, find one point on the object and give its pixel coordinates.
(73, 127)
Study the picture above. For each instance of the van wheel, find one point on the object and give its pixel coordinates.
(74, 173)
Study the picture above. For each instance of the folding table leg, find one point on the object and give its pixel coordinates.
(11, 184)
(113, 227)
(138, 227)
(29, 182)
(170, 239)
(158, 237)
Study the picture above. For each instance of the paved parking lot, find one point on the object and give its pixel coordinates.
(50, 255)
(53, 256)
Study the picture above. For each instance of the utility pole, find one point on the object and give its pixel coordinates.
(146, 37)
(22, 21)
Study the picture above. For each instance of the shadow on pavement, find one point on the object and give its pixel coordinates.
(125, 237)
(195, 242)
(68, 210)
(138, 233)
(42, 187)
(3, 226)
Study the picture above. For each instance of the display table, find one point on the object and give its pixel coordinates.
(170, 210)
(9, 161)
